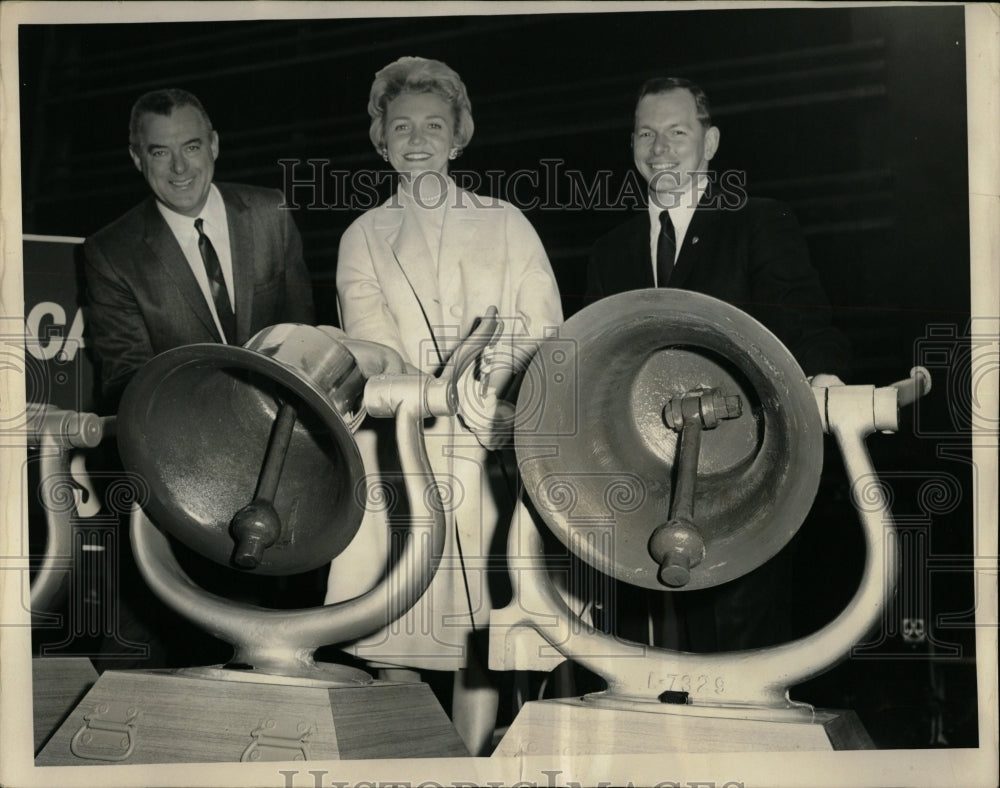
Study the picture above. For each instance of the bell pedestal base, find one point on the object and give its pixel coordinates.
(573, 726)
(166, 716)
(57, 684)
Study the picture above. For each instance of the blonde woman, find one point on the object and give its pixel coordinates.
(415, 274)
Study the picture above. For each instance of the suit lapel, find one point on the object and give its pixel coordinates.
(695, 241)
(409, 249)
(638, 250)
(242, 245)
(170, 258)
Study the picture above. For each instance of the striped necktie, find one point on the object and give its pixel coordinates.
(216, 284)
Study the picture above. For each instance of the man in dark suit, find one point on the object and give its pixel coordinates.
(195, 261)
(746, 251)
(707, 236)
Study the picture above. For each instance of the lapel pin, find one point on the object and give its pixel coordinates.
(694, 240)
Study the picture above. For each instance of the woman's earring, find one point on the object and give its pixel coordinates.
(385, 154)
(453, 154)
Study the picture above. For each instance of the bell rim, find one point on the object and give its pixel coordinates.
(700, 310)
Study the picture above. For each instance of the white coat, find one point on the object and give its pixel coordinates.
(394, 290)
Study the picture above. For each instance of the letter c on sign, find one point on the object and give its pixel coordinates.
(33, 328)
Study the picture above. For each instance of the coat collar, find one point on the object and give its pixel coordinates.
(244, 240)
(174, 265)
(638, 242)
(702, 223)
(403, 235)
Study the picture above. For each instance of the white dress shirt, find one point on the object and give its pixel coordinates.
(216, 228)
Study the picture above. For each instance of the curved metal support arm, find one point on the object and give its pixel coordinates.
(485, 334)
(757, 677)
(58, 433)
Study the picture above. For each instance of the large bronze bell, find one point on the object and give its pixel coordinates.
(669, 439)
(248, 452)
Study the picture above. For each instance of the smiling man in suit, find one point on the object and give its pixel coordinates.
(194, 262)
(704, 234)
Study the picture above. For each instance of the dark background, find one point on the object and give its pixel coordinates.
(856, 117)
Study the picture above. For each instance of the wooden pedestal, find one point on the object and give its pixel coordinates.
(578, 727)
(169, 717)
(57, 684)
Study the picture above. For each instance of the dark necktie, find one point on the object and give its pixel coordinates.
(666, 247)
(216, 283)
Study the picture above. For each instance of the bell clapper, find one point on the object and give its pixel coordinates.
(677, 545)
(257, 526)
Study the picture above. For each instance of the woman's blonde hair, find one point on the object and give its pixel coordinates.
(419, 75)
